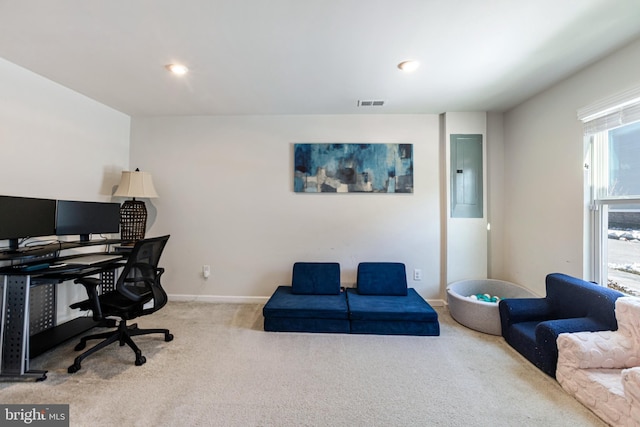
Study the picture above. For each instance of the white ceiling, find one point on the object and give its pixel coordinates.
(311, 56)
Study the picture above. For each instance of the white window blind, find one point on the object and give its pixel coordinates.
(612, 112)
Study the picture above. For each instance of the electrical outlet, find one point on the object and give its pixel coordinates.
(417, 274)
(206, 271)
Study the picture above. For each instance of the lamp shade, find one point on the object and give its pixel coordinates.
(136, 184)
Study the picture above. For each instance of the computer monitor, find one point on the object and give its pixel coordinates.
(22, 217)
(85, 218)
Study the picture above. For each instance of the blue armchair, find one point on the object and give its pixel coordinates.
(532, 325)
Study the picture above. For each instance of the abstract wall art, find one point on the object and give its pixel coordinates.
(353, 168)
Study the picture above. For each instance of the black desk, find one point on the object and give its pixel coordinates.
(15, 297)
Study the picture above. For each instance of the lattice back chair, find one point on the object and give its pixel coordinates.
(138, 284)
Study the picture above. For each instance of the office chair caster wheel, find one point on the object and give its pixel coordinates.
(168, 337)
(81, 345)
(73, 368)
(140, 360)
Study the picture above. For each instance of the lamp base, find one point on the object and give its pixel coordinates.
(133, 220)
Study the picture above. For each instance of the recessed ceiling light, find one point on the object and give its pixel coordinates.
(177, 69)
(409, 66)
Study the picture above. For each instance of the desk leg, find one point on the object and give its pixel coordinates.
(14, 331)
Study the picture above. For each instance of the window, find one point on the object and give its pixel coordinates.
(613, 163)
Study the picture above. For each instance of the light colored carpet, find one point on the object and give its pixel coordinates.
(222, 369)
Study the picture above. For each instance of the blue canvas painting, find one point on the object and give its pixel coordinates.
(353, 168)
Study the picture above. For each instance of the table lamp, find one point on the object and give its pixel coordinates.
(133, 213)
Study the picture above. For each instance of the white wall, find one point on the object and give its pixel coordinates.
(544, 157)
(495, 194)
(466, 238)
(58, 144)
(226, 198)
(242, 217)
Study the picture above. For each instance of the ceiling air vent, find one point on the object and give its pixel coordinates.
(370, 103)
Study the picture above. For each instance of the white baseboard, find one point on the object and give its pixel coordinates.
(437, 302)
(252, 300)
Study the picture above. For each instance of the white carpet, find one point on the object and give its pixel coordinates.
(222, 369)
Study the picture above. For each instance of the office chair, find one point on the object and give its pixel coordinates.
(137, 285)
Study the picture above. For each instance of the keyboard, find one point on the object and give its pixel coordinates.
(91, 259)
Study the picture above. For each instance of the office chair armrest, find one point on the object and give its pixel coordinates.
(159, 295)
(91, 285)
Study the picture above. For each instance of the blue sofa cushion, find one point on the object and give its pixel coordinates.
(399, 327)
(299, 324)
(284, 303)
(382, 278)
(410, 307)
(316, 278)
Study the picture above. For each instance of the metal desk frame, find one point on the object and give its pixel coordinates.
(15, 308)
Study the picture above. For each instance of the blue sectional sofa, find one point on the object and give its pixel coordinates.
(314, 302)
(532, 325)
(381, 304)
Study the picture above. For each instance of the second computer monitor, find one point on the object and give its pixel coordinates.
(86, 218)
